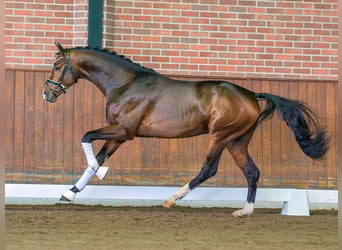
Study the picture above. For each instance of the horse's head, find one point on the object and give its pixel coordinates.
(62, 76)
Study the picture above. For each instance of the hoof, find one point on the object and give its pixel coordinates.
(169, 203)
(63, 198)
(68, 196)
(241, 214)
(245, 212)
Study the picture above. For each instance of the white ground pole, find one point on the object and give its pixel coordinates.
(297, 202)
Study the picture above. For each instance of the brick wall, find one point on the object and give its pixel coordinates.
(33, 26)
(244, 38)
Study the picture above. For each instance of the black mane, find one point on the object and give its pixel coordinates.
(115, 54)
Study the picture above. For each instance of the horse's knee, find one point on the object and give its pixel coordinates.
(88, 137)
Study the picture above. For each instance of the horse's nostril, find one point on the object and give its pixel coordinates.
(44, 95)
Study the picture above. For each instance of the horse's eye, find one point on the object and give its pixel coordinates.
(57, 68)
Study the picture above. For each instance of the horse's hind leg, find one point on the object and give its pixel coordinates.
(238, 149)
(208, 170)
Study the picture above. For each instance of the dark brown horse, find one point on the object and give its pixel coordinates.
(144, 103)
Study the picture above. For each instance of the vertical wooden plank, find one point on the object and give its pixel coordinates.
(39, 128)
(276, 142)
(87, 119)
(58, 141)
(284, 141)
(187, 161)
(19, 117)
(255, 148)
(294, 164)
(302, 159)
(9, 124)
(49, 141)
(69, 137)
(167, 162)
(267, 143)
(29, 128)
(239, 178)
(174, 162)
(322, 170)
(136, 163)
(313, 166)
(126, 171)
(79, 158)
(331, 113)
(150, 160)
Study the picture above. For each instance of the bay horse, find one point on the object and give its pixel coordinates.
(143, 103)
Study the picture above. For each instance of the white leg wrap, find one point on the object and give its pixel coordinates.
(82, 182)
(88, 150)
(69, 195)
(181, 193)
(248, 210)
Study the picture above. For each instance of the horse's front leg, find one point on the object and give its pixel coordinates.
(94, 163)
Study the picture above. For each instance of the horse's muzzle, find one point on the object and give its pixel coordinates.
(49, 98)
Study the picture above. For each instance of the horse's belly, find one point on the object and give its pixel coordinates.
(167, 129)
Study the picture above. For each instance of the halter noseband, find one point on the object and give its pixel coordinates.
(59, 84)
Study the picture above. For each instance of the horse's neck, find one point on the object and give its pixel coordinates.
(105, 74)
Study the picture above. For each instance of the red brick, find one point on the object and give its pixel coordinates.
(264, 69)
(198, 60)
(301, 58)
(190, 14)
(265, 56)
(256, 10)
(310, 65)
(190, 53)
(310, 12)
(217, 61)
(171, 53)
(188, 67)
(283, 70)
(231, 68)
(329, 52)
(218, 48)
(160, 59)
(245, 69)
(199, 47)
(283, 57)
(255, 62)
(236, 62)
(274, 63)
(208, 67)
(320, 71)
(247, 29)
(246, 56)
(179, 60)
(265, 43)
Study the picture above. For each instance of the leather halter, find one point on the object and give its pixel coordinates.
(60, 83)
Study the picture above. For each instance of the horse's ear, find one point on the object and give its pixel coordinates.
(61, 49)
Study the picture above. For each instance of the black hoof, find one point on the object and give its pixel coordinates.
(63, 198)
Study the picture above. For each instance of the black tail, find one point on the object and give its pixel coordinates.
(312, 138)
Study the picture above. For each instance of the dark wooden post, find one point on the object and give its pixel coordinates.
(95, 19)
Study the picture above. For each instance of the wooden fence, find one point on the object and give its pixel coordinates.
(43, 141)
